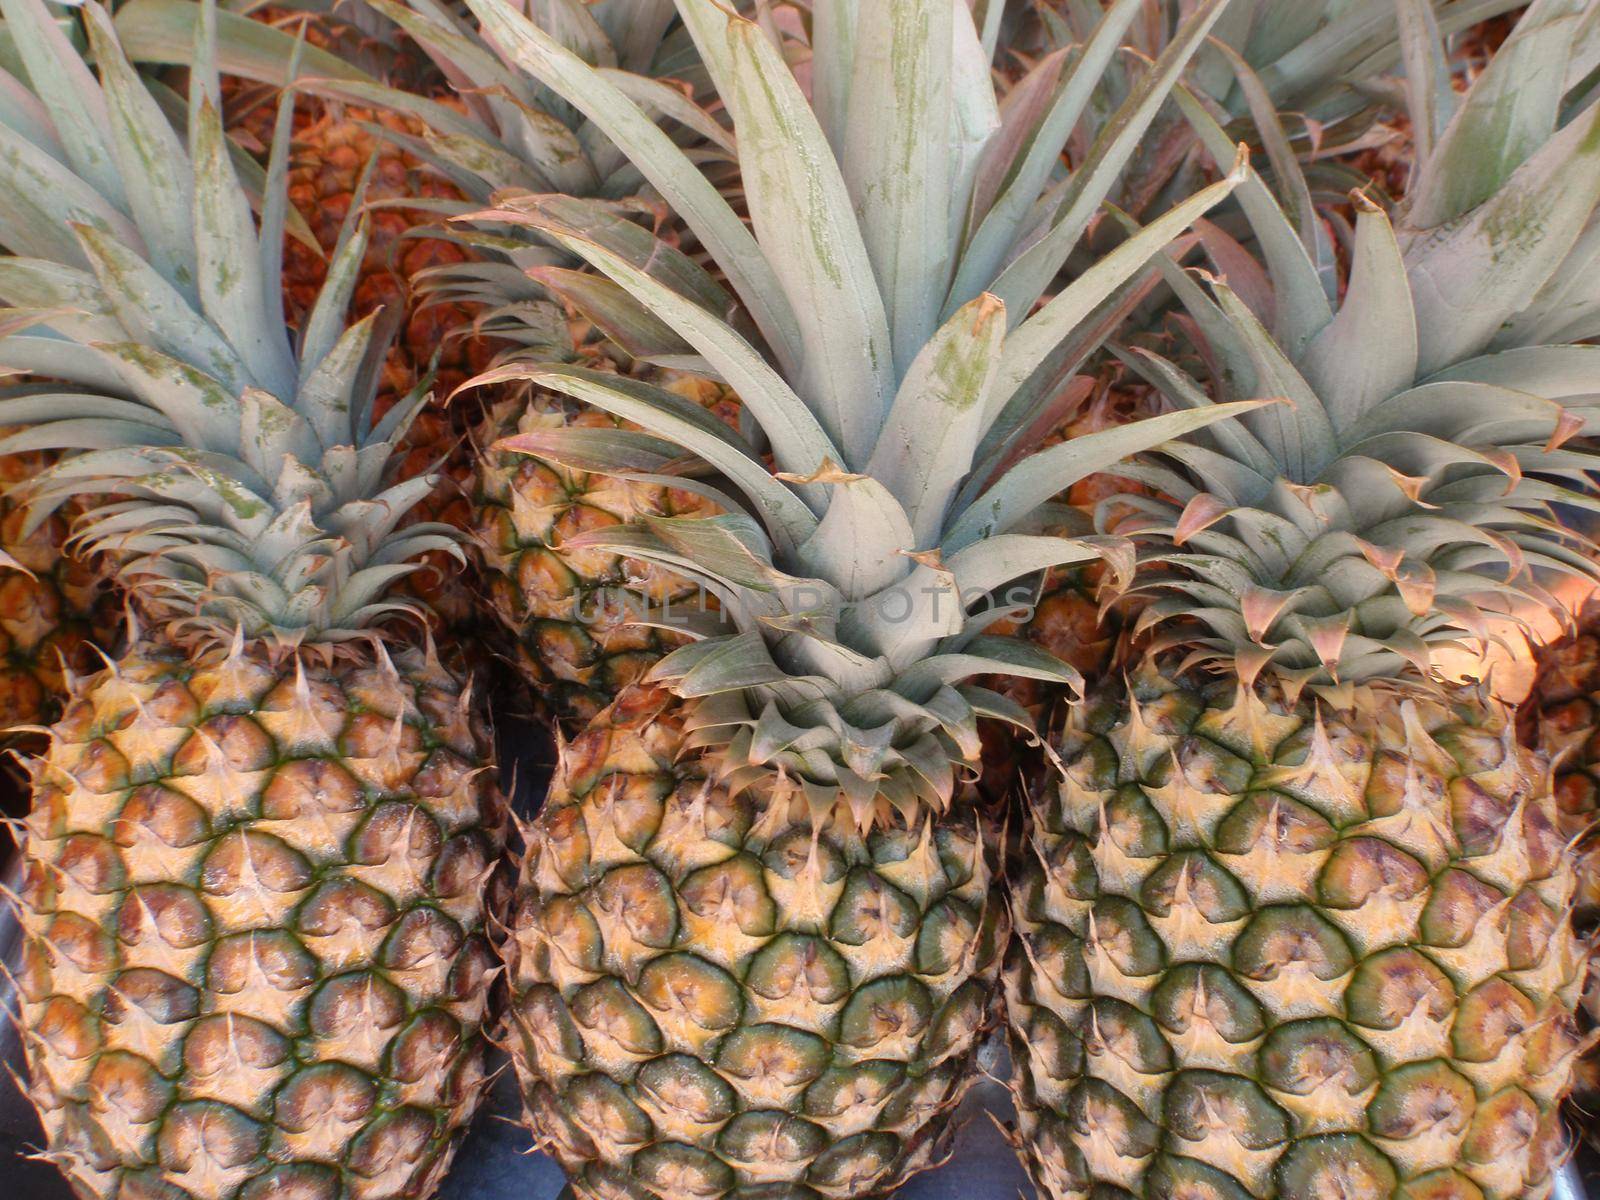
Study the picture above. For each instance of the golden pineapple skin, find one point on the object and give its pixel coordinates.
(712, 997)
(52, 614)
(253, 907)
(574, 613)
(1274, 946)
(1561, 717)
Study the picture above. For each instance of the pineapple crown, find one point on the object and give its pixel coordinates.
(507, 131)
(518, 135)
(1404, 488)
(1318, 68)
(245, 476)
(904, 225)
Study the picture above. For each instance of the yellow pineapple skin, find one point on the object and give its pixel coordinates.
(574, 613)
(253, 908)
(1270, 945)
(711, 996)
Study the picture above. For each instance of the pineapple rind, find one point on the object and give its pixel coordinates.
(711, 994)
(575, 613)
(255, 959)
(1561, 718)
(1320, 948)
(53, 613)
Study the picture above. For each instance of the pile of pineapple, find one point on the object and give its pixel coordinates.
(1021, 515)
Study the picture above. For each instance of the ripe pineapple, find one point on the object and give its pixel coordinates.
(1296, 919)
(254, 891)
(755, 936)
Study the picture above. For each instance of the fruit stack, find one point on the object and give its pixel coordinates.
(1022, 519)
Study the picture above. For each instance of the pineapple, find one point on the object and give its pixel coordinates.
(513, 284)
(756, 936)
(254, 895)
(1295, 921)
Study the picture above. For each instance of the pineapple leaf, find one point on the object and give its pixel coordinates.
(61, 359)
(39, 406)
(670, 416)
(799, 442)
(571, 24)
(975, 119)
(610, 227)
(325, 325)
(1470, 277)
(1073, 203)
(661, 162)
(609, 308)
(984, 655)
(857, 544)
(1232, 437)
(41, 200)
(897, 165)
(805, 224)
(721, 665)
(1567, 307)
(148, 306)
(662, 99)
(160, 192)
(1032, 341)
(90, 433)
(162, 32)
(1301, 304)
(1044, 138)
(1298, 434)
(275, 195)
(983, 568)
(1369, 351)
(1046, 473)
(1554, 372)
(1511, 110)
(25, 113)
(1429, 99)
(1291, 180)
(927, 444)
(325, 395)
(70, 93)
(834, 25)
(636, 29)
(616, 452)
(232, 292)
